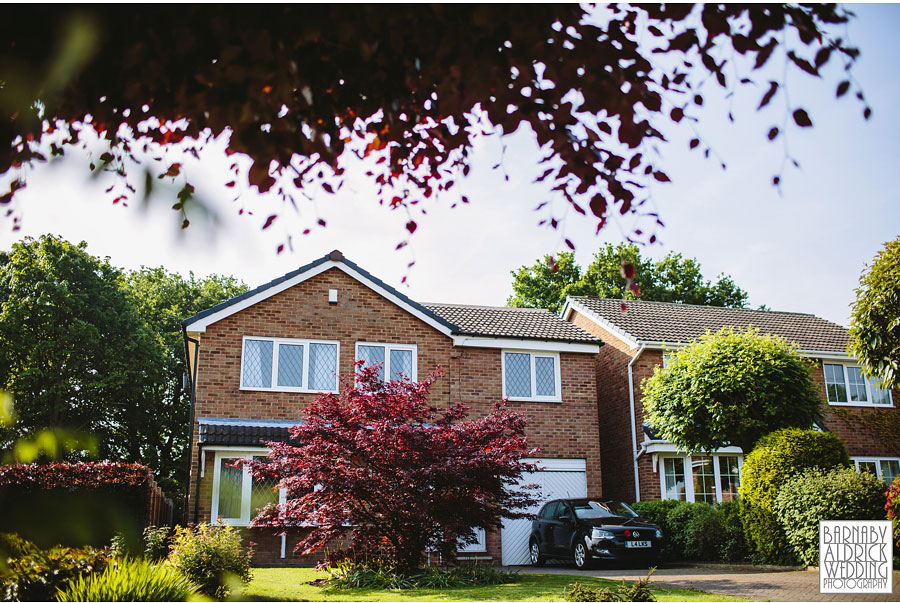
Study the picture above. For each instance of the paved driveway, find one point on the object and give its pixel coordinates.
(738, 581)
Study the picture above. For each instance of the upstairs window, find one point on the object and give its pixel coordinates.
(845, 384)
(531, 376)
(289, 365)
(394, 360)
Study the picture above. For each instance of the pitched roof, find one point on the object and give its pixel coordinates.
(646, 321)
(483, 321)
(518, 323)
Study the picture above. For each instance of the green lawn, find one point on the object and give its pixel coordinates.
(279, 584)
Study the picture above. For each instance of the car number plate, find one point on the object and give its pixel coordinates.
(637, 544)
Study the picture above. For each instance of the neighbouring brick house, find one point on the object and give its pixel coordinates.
(637, 465)
(255, 361)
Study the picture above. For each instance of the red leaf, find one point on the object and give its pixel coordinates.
(627, 271)
(801, 118)
(842, 88)
(598, 205)
(570, 244)
(695, 142)
(661, 176)
(773, 133)
(269, 221)
(411, 226)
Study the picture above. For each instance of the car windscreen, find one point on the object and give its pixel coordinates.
(595, 509)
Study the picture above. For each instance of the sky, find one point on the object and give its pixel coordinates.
(801, 251)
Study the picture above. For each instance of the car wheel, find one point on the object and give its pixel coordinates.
(534, 550)
(581, 556)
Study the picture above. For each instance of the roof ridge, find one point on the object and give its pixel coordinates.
(485, 307)
(683, 305)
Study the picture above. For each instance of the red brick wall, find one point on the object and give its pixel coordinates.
(472, 376)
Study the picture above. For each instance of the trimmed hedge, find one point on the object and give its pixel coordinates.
(697, 531)
(815, 494)
(77, 504)
(776, 458)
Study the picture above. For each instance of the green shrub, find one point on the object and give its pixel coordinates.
(697, 531)
(383, 575)
(14, 546)
(814, 495)
(37, 574)
(636, 591)
(130, 580)
(776, 458)
(156, 542)
(892, 506)
(212, 557)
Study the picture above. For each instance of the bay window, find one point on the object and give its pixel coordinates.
(236, 497)
(700, 478)
(289, 365)
(885, 469)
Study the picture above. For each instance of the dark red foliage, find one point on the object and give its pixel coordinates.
(400, 474)
(103, 475)
(300, 87)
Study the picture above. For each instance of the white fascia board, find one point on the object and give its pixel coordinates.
(200, 325)
(236, 449)
(247, 422)
(558, 464)
(525, 344)
(601, 322)
(827, 355)
(651, 446)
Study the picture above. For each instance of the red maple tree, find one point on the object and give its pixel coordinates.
(379, 463)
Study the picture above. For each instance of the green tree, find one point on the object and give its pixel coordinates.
(671, 279)
(163, 299)
(730, 388)
(875, 326)
(73, 351)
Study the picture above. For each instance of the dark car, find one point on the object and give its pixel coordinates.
(588, 529)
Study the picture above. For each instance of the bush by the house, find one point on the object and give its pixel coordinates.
(212, 557)
(131, 580)
(34, 574)
(697, 531)
(156, 542)
(892, 506)
(816, 494)
(775, 459)
(76, 504)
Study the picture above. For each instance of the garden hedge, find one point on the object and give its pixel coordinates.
(776, 458)
(78, 504)
(697, 531)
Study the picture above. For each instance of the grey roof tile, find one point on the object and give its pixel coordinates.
(237, 434)
(518, 323)
(671, 322)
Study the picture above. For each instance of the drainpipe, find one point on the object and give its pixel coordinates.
(192, 381)
(634, 448)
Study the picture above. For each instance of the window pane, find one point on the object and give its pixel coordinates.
(704, 479)
(373, 355)
(323, 366)
(262, 492)
(401, 364)
(231, 481)
(729, 477)
(834, 383)
(545, 376)
(674, 472)
(518, 375)
(889, 470)
(857, 384)
(290, 365)
(879, 396)
(257, 363)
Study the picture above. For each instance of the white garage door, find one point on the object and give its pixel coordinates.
(560, 478)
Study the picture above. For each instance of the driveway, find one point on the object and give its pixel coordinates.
(736, 580)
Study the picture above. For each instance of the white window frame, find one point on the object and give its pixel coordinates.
(689, 474)
(242, 453)
(868, 403)
(873, 459)
(387, 356)
(556, 397)
(276, 341)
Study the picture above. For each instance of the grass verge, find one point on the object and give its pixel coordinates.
(292, 584)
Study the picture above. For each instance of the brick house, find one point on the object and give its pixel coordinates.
(256, 360)
(637, 465)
